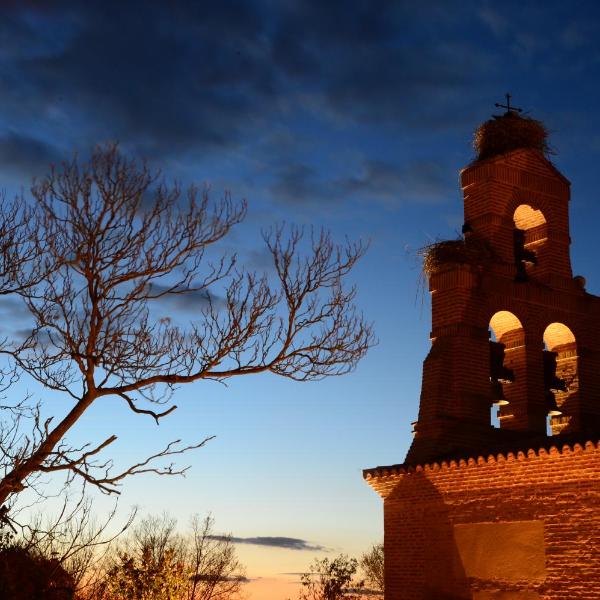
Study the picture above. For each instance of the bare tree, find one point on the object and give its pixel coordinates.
(90, 260)
(72, 537)
(215, 572)
(155, 562)
(372, 565)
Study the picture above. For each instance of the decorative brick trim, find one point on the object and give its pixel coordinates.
(382, 479)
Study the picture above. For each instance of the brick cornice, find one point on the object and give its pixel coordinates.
(383, 479)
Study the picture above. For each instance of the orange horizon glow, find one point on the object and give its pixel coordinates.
(272, 588)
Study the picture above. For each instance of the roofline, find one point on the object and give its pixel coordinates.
(550, 448)
(476, 163)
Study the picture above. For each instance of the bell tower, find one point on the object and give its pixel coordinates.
(512, 331)
(499, 495)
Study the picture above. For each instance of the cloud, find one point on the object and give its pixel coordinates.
(427, 180)
(497, 22)
(240, 578)
(172, 78)
(169, 78)
(412, 181)
(300, 184)
(384, 65)
(25, 155)
(187, 301)
(262, 92)
(424, 180)
(13, 309)
(260, 259)
(273, 542)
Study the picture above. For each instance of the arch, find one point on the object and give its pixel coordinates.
(504, 321)
(530, 233)
(557, 334)
(561, 377)
(507, 351)
(527, 217)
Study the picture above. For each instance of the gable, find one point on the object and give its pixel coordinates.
(525, 159)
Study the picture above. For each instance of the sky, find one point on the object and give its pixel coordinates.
(355, 116)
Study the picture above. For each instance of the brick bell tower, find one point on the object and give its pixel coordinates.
(512, 380)
(512, 330)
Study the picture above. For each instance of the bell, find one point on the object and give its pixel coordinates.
(498, 393)
(551, 405)
(551, 381)
(497, 369)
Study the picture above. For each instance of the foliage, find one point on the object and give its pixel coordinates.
(331, 580)
(91, 261)
(372, 565)
(156, 563)
(147, 577)
(72, 536)
(510, 132)
(26, 575)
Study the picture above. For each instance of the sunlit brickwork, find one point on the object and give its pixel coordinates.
(517, 204)
(558, 490)
(516, 337)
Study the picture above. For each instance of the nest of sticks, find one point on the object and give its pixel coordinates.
(510, 132)
(469, 251)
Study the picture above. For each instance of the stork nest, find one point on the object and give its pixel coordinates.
(469, 251)
(510, 132)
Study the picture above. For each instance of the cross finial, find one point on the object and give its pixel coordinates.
(507, 106)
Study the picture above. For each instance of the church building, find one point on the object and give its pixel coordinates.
(499, 495)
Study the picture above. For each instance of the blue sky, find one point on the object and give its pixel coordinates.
(355, 116)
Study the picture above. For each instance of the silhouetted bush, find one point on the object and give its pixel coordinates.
(24, 576)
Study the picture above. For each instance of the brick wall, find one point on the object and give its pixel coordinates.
(522, 526)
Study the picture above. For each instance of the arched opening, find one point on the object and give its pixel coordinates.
(507, 349)
(561, 380)
(504, 322)
(531, 232)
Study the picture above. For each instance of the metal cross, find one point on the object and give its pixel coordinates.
(507, 106)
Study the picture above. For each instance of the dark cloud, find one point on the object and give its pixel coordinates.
(193, 301)
(378, 178)
(413, 181)
(22, 334)
(239, 578)
(299, 184)
(25, 155)
(186, 82)
(392, 184)
(13, 309)
(260, 259)
(273, 542)
(384, 64)
(170, 78)
(158, 76)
